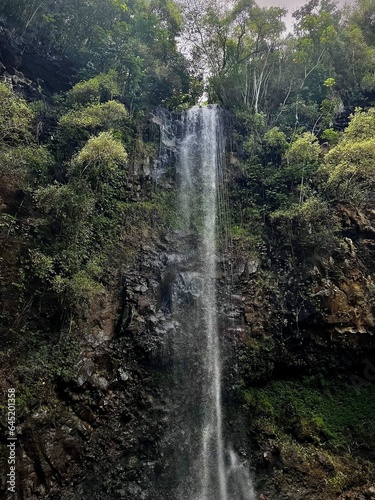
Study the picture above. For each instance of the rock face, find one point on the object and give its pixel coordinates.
(101, 432)
(333, 297)
(95, 435)
(25, 65)
(98, 426)
(321, 324)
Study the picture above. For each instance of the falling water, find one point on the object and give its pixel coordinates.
(203, 468)
(213, 482)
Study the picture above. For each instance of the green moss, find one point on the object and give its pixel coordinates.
(239, 232)
(249, 397)
(336, 414)
(167, 203)
(39, 364)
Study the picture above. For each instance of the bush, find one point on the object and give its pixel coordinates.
(331, 136)
(78, 124)
(102, 88)
(309, 225)
(99, 160)
(15, 118)
(349, 167)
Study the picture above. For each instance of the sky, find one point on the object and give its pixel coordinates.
(291, 6)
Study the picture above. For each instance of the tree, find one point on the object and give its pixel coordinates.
(362, 14)
(80, 123)
(134, 38)
(349, 167)
(20, 156)
(103, 87)
(234, 46)
(303, 158)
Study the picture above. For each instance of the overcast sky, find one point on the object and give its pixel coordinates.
(291, 6)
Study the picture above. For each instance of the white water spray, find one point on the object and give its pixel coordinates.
(200, 179)
(200, 466)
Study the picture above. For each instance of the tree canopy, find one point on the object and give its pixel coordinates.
(74, 145)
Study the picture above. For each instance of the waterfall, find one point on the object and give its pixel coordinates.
(208, 145)
(203, 469)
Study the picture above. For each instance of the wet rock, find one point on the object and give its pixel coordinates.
(73, 423)
(323, 460)
(153, 320)
(257, 330)
(240, 266)
(252, 267)
(97, 339)
(86, 369)
(237, 299)
(99, 382)
(124, 375)
(250, 318)
(141, 288)
(145, 305)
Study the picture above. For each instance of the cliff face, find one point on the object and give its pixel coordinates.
(299, 386)
(90, 419)
(26, 65)
(94, 407)
(297, 393)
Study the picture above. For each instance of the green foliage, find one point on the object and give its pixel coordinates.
(108, 115)
(361, 126)
(15, 118)
(68, 264)
(42, 265)
(64, 201)
(309, 225)
(348, 167)
(328, 412)
(99, 160)
(41, 362)
(79, 123)
(281, 174)
(83, 214)
(275, 139)
(97, 39)
(84, 287)
(276, 145)
(21, 159)
(26, 161)
(304, 152)
(330, 82)
(368, 82)
(101, 88)
(331, 136)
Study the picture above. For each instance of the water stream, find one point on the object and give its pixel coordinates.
(200, 163)
(204, 468)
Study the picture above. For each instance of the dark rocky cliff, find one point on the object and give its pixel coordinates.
(93, 388)
(97, 426)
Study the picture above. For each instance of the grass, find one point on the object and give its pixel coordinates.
(318, 411)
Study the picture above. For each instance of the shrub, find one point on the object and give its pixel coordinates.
(99, 160)
(102, 88)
